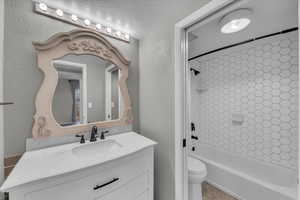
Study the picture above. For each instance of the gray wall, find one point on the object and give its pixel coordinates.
(157, 89)
(22, 77)
(95, 84)
(1, 92)
(62, 106)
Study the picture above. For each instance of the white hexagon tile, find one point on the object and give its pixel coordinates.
(245, 100)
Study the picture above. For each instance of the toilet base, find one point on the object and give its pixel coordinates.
(195, 191)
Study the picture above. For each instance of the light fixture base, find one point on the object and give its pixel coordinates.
(235, 21)
(72, 18)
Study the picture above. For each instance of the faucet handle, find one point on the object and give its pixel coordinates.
(102, 137)
(82, 139)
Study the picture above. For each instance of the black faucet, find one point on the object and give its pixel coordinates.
(102, 136)
(94, 134)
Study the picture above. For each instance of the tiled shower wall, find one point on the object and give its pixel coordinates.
(245, 100)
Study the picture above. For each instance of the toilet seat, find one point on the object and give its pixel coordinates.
(196, 169)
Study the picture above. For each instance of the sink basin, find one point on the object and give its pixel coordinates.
(96, 149)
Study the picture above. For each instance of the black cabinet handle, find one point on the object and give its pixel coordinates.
(106, 184)
(5, 103)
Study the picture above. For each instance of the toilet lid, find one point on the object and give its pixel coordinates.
(196, 166)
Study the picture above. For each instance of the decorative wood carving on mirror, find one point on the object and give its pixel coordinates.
(79, 41)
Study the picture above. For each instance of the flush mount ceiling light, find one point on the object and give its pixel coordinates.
(77, 20)
(235, 21)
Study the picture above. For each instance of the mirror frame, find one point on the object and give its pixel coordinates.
(77, 42)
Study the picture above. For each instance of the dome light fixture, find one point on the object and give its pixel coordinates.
(235, 21)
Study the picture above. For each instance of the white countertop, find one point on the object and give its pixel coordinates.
(58, 160)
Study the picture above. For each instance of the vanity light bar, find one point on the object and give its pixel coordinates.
(71, 18)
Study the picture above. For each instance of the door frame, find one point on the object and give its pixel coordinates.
(181, 93)
(108, 73)
(181, 78)
(1, 94)
(83, 83)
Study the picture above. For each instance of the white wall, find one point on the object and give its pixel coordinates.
(258, 84)
(1, 90)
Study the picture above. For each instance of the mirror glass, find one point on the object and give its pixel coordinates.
(87, 90)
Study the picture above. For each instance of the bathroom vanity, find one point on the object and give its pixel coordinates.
(119, 167)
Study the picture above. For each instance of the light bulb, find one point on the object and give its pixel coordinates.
(108, 29)
(127, 36)
(43, 6)
(87, 22)
(74, 17)
(59, 12)
(118, 33)
(98, 26)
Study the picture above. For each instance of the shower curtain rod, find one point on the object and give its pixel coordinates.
(244, 42)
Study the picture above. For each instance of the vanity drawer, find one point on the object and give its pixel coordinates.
(132, 190)
(121, 180)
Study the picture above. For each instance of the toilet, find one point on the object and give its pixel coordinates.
(197, 173)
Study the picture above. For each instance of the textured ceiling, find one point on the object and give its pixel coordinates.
(269, 16)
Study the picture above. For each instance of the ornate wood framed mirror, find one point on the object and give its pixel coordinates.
(84, 84)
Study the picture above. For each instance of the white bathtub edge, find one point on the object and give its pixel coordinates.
(290, 194)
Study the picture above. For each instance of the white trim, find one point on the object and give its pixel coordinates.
(120, 97)
(298, 104)
(83, 82)
(70, 75)
(180, 74)
(108, 93)
(111, 68)
(1, 94)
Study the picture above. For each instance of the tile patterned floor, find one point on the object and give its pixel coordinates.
(212, 193)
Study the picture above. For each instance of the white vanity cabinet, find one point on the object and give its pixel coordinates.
(129, 177)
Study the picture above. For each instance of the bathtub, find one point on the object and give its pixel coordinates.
(247, 179)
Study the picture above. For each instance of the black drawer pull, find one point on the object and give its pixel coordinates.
(105, 184)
